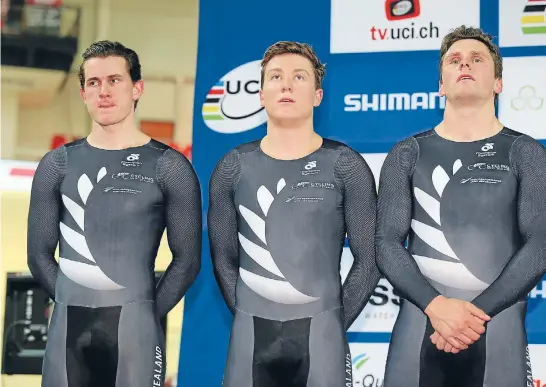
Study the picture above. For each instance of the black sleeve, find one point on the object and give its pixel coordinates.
(394, 214)
(222, 225)
(528, 264)
(360, 200)
(43, 219)
(183, 212)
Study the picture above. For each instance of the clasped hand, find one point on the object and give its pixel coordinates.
(457, 324)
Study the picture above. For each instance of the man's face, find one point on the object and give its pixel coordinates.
(468, 72)
(288, 90)
(108, 91)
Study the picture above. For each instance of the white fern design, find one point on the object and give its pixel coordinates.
(280, 291)
(87, 275)
(452, 274)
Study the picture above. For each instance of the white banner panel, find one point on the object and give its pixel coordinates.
(522, 23)
(522, 103)
(369, 360)
(397, 25)
(537, 354)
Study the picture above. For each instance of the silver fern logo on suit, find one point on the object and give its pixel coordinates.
(280, 291)
(86, 274)
(454, 273)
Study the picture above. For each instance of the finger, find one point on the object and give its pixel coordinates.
(456, 343)
(477, 326)
(448, 335)
(468, 332)
(463, 338)
(455, 350)
(448, 348)
(441, 344)
(477, 312)
(461, 344)
(478, 321)
(434, 338)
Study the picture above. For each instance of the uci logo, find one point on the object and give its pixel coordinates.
(233, 104)
(487, 147)
(133, 157)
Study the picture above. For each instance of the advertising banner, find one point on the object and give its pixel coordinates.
(381, 86)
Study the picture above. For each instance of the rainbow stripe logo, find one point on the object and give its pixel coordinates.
(232, 105)
(211, 107)
(533, 20)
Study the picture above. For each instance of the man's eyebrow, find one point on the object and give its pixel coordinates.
(471, 52)
(109, 76)
(294, 71)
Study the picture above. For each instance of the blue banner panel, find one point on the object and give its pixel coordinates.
(375, 101)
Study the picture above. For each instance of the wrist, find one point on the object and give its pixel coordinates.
(431, 307)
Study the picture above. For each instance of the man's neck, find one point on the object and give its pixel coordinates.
(290, 141)
(122, 135)
(469, 122)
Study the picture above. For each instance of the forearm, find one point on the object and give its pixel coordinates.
(175, 282)
(224, 247)
(358, 288)
(400, 269)
(519, 277)
(226, 277)
(44, 268)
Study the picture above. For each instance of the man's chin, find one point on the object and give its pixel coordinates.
(102, 121)
(289, 116)
(469, 96)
